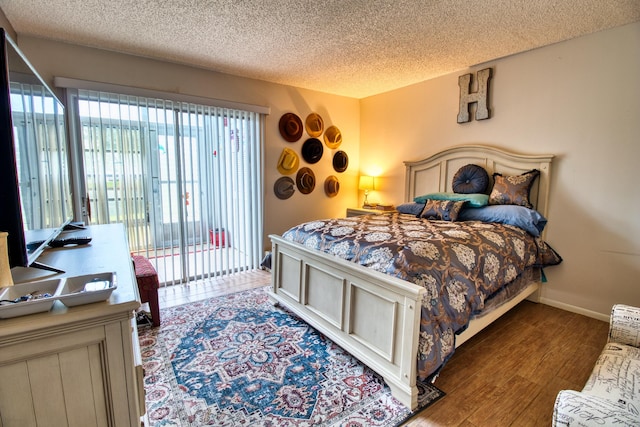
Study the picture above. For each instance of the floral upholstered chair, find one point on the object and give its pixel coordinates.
(612, 393)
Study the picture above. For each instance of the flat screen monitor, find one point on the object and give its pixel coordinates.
(35, 187)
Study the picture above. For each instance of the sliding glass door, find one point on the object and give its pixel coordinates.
(184, 178)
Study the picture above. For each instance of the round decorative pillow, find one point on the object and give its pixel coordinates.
(470, 179)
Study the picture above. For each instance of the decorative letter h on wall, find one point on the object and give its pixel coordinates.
(481, 97)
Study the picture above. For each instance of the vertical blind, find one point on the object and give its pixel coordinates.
(184, 178)
(42, 166)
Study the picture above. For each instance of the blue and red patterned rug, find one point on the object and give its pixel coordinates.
(237, 360)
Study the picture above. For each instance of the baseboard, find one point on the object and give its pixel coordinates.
(575, 309)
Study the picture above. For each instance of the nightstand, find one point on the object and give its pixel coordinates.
(362, 211)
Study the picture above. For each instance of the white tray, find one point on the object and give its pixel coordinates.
(79, 290)
(23, 308)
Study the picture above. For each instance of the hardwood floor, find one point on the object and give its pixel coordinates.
(510, 373)
(170, 296)
(507, 375)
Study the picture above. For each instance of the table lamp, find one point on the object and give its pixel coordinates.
(367, 183)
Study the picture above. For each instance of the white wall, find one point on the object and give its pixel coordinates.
(59, 59)
(579, 100)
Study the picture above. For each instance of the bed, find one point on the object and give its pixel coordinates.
(379, 317)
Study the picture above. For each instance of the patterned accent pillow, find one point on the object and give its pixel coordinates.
(470, 179)
(513, 190)
(442, 210)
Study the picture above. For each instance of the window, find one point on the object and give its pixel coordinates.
(184, 178)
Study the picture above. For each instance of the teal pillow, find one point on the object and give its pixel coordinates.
(475, 200)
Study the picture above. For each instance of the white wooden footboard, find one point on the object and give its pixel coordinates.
(373, 316)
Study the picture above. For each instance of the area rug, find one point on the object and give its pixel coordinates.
(237, 360)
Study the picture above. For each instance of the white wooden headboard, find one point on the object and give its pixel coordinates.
(435, 173)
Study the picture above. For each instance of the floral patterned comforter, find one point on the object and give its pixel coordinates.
(460, 264)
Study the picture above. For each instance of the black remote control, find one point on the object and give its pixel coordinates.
(58, 243)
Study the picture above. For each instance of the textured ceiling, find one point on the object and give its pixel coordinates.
(355, 48)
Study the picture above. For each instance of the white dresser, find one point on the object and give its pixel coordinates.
(78, 366)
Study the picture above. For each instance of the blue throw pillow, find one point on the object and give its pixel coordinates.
(527, 219)
(411, 208)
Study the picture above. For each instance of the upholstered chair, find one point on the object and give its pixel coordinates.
(611, 396)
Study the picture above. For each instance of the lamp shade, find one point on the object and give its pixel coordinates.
(366, 182)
